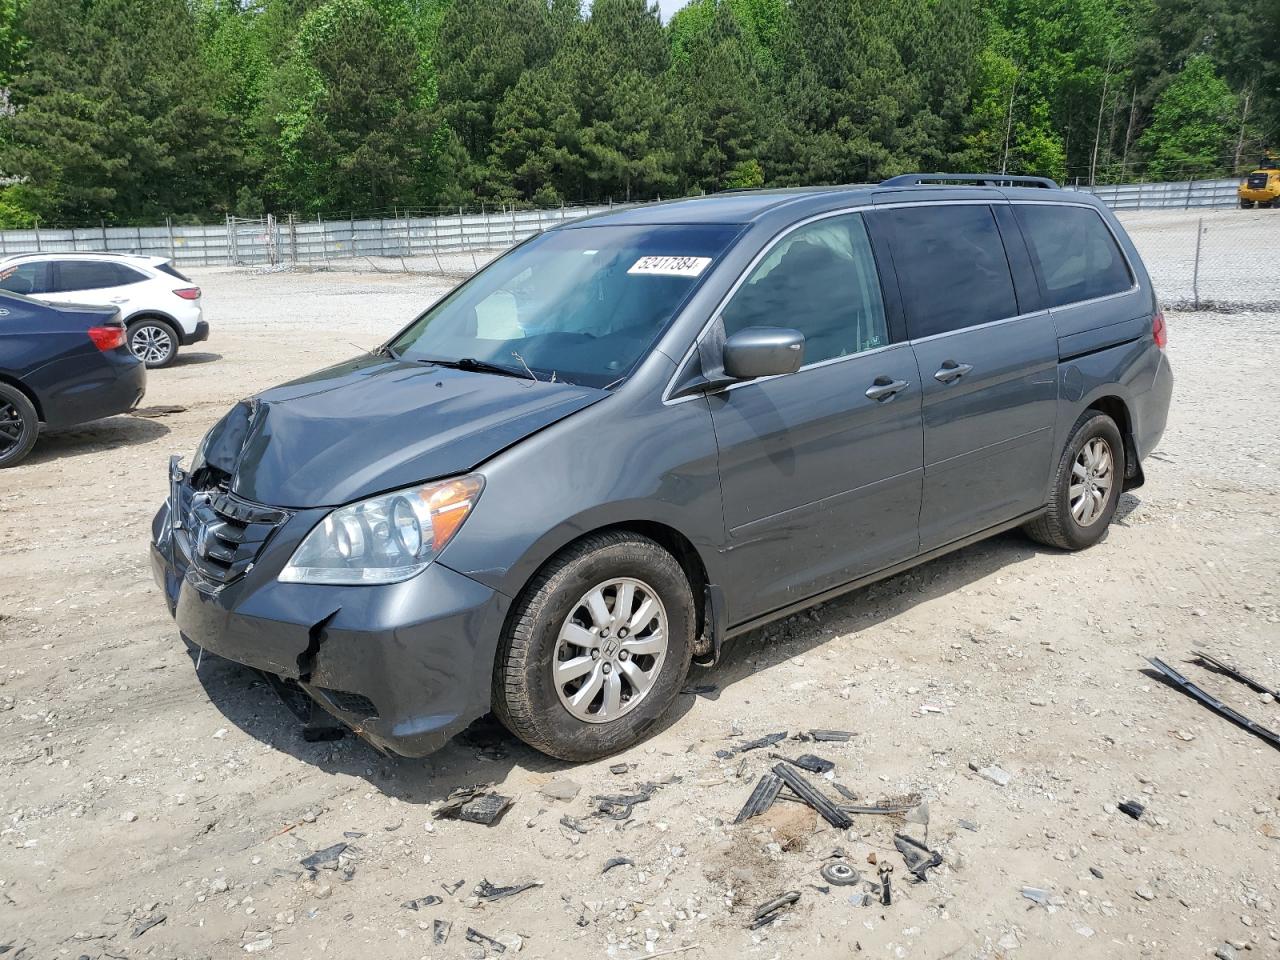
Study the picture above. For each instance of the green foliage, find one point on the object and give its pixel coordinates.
(131, 110)
(1190, 123)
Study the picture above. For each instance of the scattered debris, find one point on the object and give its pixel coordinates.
(619, 806)
(832, 736)
(806, 792)
(761, 799)
(574, 825)
(439, 932)
(702, 690)
(487, 942)
(1036, 895)
(1131, 808)
(882, 807)
(353, 834)
(1191, 690)
(326, 858)
(1145, 892)
(452, 888)
(1213, 663)
(766, 741)
(474, 804)
(886, 890)
(919, 858)
(967, 825)
(766, 913)
(1226, 951)
(561, 788)
(146, 925)
(156, 412)
(1096, 872)
(845, 792)
(840, 872)
(618, 769)
(486, 891)
(428, 901)
(807, 761)
(617, 862)
(992, 774)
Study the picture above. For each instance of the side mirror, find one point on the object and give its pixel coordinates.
(763, 352)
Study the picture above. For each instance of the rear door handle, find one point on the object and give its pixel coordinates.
(119, 299)
(952, 371)
(884, 388)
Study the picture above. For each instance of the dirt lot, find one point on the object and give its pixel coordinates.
(133, 788)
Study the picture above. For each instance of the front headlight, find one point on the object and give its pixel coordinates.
(385, 539)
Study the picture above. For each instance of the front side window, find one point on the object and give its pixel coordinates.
(952, 268)
(820, 279)
(1075, 252)
(583, 304)
(26, 278)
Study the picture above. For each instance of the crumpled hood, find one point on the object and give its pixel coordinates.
(374, 424)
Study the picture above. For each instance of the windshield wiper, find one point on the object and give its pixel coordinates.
(479, 366)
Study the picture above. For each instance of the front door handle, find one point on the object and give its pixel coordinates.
(883, 388)
(952, 371)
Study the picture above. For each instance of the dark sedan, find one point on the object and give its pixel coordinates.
(59, 366)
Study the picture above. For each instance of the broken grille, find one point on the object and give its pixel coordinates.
(223, 534)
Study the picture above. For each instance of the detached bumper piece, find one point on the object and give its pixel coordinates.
(1214, 704)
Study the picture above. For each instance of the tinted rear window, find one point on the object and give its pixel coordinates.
(173, 271)
(94, 275)
(1075, 253)
(952, 268)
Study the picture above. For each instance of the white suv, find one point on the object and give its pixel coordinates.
(159, 305)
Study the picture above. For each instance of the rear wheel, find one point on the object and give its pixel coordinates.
(19, 425)
(154, 342)
(1246, 204)
(596, 648)
(1086, 487)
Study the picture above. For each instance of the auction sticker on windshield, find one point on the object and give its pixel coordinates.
(671, 266)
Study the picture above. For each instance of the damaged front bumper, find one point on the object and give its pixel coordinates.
(405, 665)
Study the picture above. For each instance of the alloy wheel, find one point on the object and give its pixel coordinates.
(11, 427)
(610, 650)
(150, 344)
(1092, 476)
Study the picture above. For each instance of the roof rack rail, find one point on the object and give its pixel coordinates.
(981, 179)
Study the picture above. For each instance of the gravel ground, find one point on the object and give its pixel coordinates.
(135, 789)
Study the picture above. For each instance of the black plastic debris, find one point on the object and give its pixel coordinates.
(1131, 808)
(353, 834)
(844, 791)
(485, 941)
(473, 804)
(768, 912)
(883, 807)
(454, 887)
(439, 932)
(807, 761)
(326, 858)
(919, 858)
(761, 799)
(487, 891)
(617, 862)
(810, 795)
(146, 925)
(766, 741)
(572, 824)
(422, 902)
(886, 885)
(1214, 704)
(1213, 663)
(840, 872)
(701, 690)
(619, 806)
(831, 736)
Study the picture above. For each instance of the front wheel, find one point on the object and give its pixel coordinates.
(1086, 486)
(153, 342)
(596, 648)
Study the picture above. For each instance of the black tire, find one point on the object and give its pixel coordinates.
(149, 332)
(1246, 204)
(525, 697)
(1057, 526)
(19, 425)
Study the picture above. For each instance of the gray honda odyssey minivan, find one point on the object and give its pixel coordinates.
(637, 435)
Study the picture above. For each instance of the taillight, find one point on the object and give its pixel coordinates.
(107, 338)
(1158, 330)
(188, 293)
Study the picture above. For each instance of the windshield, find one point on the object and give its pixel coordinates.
(582, 304)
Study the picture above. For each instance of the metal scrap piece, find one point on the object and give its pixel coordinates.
(487, 942)
(1214, 663)
(768, 912)
(768, 740)
(487, 891)
(840, 872)
(428, 901)
(761, 799)
(439, 932)
(914, 853)
(806, 792)
(327, 858)
(1191, 690)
